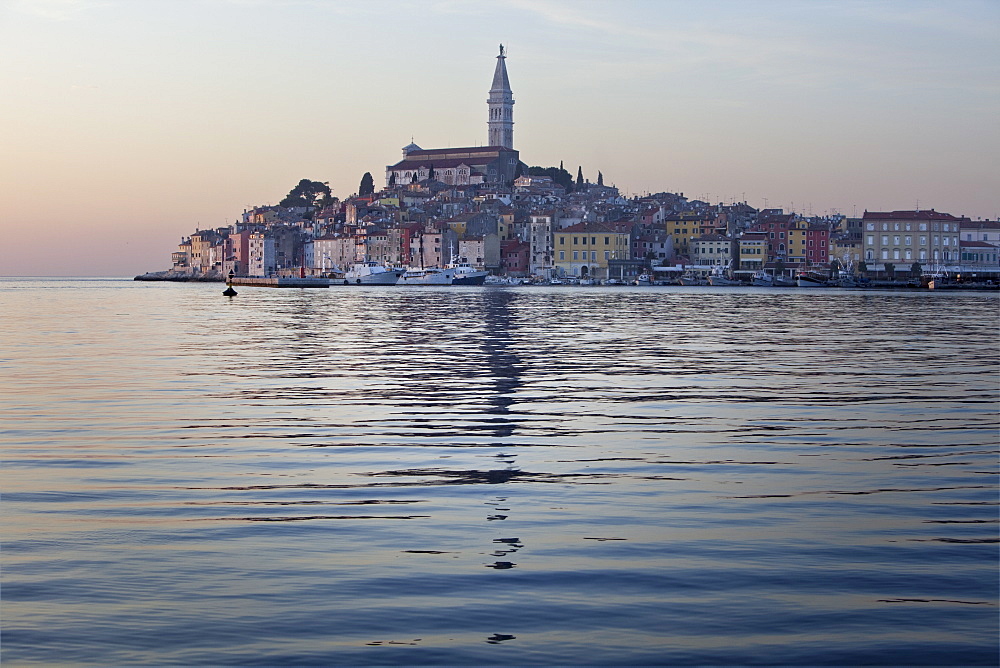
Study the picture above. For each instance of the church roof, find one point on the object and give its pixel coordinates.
(411, 162)
(464, 150)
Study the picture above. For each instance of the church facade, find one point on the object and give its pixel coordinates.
(495, 164)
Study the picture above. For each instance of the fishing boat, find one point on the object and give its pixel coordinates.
(811, 279)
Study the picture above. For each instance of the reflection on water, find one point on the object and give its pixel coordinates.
(484, 476)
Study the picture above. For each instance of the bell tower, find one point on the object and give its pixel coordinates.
(501, 104)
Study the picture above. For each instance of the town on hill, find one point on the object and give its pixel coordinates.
(485, 207)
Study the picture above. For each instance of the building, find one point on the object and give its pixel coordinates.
(586, 249)
(753, 251)
(515, 257)
(497, 163)
(928, 237)
(712, 249)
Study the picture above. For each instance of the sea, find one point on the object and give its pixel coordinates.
(497, 475)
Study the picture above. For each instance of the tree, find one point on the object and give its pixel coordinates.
(308, 194)
(600, 178)
(519, 170)
(430, 173)
(579, 176)
(916, 270)
(890, 271)
(863, 268)
(779, 266)
(367, 186)
(558, 175)
(560, 166)
(392, 180)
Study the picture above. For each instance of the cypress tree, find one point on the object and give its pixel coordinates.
(367, 186)
(579, 176)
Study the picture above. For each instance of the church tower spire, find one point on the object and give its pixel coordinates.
(501, 104)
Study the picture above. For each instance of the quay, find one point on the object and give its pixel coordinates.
(282, 282)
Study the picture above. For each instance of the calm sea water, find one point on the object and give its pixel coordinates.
(497, 475)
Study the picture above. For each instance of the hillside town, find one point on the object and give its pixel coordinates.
(485, 207)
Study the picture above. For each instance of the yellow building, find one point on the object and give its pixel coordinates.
(585, 249)
(753, 251)
(685, 227)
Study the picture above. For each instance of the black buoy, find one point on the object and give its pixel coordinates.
(229, 292)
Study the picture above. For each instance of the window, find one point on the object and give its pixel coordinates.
(923, 227)
(923, 241)
(895, 254)
(947, 228)
(885, 253)
(885, 227)
(585, 241)
(593, 240)
(885, 239)
(607, 241)
(575, 241)
(908, 241)
(871, 227)
(593, 256)
(895, 240)
(871, 239)
(562, 255)
(607, 255)
(576, 255)
(562, 241)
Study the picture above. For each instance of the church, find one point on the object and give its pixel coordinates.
(495, 164)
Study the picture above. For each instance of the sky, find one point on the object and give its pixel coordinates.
(126, 125)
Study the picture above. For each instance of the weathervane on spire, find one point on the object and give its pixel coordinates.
(501, 51)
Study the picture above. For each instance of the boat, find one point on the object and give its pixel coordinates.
(691, 279)
(466, 274)
(811, 279)
(720, 278)
(371, 273)
(643, 279)
(427, 276)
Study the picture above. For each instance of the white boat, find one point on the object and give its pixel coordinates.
(720, 280)
(466, 274)
(427, 276)
(643, 279)
(371, 273)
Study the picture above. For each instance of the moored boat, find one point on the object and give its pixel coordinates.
(811, 280)
(720, 280)
(466, 274)
(427, 276)
(371, 273)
